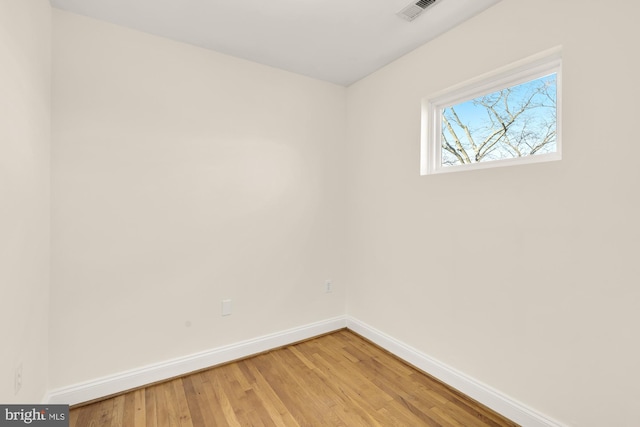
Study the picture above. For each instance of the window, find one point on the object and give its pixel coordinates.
(510, 117)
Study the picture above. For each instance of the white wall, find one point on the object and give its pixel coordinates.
(25, 113)
(182, 177)
(525, 278)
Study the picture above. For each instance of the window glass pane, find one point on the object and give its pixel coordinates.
(514, 122)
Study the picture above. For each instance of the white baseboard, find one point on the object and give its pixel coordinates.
(123, 381)
(128, 380)
(478, 391)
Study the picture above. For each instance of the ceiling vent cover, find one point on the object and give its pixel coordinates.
(414, 10)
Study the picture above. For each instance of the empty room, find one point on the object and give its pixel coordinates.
(320, 212)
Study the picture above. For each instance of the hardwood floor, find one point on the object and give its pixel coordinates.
(334, 380)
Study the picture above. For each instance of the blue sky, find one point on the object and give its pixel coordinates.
(535, 121)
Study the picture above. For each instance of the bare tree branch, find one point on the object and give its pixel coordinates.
(520, 121)
(459, 146)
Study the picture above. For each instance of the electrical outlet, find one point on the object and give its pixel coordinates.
(17, 384)
(328, 286)
(226, 307)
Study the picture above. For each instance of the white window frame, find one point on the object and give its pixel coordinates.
(521, 72)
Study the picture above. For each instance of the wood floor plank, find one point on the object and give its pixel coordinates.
(209, 405)
(192, 397)
(182, 406)
(232, 389)
(163, 412)
(73, 418)
(129, 410)
(297, 401)
(336, 380)
(345, 401)
(118, 411)
(81, 416)
(105, 413)
(277, 410)
(139, 418)
(369, 383)
(150, 407)
(221, 397)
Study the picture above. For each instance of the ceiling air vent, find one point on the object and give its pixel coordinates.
(414, 10)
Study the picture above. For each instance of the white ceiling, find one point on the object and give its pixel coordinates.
(340, 41)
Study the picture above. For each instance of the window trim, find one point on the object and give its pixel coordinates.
(538, 66)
